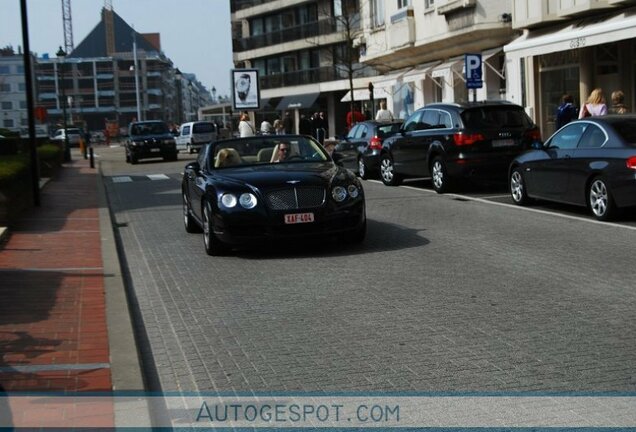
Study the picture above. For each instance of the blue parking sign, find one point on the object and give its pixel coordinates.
(473, 69)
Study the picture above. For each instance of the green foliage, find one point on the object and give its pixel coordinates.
(12, 167)
(49, 152)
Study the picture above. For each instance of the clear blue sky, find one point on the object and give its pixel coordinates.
(195, 34)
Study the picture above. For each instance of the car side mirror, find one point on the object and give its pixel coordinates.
(194, 166)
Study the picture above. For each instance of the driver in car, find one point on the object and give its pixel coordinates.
(283, 152)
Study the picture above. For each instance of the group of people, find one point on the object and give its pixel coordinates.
(315, 126)
(279, 127)
(594, 106)
(355, 116)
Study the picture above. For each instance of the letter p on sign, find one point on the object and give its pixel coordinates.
(473, 71)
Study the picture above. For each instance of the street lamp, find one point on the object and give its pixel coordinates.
(213, 94)
(136, 68)
(61, 55)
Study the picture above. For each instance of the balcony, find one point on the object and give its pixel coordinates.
(306, 76)
(317, 28)
(402, 29)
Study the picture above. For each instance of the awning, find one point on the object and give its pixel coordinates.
(486, 55)
(447, 68)
(301, 101)
(363, 94)
(586, 32)
(419, 73)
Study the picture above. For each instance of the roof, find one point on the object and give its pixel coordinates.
(94, 45)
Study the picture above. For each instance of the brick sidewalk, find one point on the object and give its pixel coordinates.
(53, 329)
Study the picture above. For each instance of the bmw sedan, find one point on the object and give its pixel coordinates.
(589, 162)
(360, 149)
(257, 189)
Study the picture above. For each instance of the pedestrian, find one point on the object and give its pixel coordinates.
(279, 128)
(245, 127)
(288, 123)
(566, 112)
(595, 105)
(354, 117)
(384, 115)
(618, 103)
(266, 127)
(322, 127)
(367, 113)
(304, 125)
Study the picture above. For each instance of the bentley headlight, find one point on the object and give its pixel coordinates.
(247, 200)
(339, 194)
(353, 191)
(228, 200)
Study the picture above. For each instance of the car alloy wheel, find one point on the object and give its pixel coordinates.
(387, 171)
(518, 188)
(213, 246)
(188, 220)
(600, 200)
(362, 169)
(439, 176)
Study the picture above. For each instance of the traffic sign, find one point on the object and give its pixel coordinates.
(473, 71)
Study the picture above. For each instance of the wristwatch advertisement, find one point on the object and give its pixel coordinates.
(246, 92)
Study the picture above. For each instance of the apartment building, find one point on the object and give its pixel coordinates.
(13, 103)
(570, 46)
(302, 50)
(419, 46)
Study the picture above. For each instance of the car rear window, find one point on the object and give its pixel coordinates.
(203, 128)
(626, 128)
(388, 130)
(495, 117)
(155, 128)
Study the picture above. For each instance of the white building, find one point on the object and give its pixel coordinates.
(13, 104)
(570, 46)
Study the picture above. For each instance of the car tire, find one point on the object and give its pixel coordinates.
(363, 172)
(600, 200)
(213, 246)
(133, 159)
(387, 171)
(188, 221)
(439, 176)
(127, 158)
(518, 190)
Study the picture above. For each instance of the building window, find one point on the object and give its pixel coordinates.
(23, 105)
(405, 3)
(21, 86)
(7, 105)
(429, 4)
(5, 87)
(8, 123)
(5, 70)
(24, 122)
(377, 13)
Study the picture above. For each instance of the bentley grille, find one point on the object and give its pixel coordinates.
(295, 198)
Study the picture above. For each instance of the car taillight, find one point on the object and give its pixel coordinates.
(631, 163)
(375, 144)
(462, 139)
(534, 134)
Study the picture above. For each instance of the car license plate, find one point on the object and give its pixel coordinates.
(503, 143)
(155, 150)
(297, 218)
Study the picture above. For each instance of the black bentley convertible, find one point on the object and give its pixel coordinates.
(247, 190)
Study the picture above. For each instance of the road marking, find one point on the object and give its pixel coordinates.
(158, 177)
(122, 179)
(517, 207)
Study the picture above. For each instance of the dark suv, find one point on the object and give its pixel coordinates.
(150, 139)
(449, 141)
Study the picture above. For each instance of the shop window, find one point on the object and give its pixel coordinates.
(607, 59)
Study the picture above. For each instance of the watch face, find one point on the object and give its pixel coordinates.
(242, 85)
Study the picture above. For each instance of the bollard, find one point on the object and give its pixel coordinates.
(90, 150)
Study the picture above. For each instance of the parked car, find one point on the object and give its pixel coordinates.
(192, 135)
(74, 136)
(238, 194)
(360, 150)
(453, 141)
(589, 162)
(149, 139)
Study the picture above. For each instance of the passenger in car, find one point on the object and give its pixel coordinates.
(227, 157)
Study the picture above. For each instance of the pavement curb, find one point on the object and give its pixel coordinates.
(125, 359)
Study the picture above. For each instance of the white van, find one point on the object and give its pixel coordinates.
(192, 135)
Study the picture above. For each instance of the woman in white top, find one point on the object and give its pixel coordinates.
(595, 105)
(266, 127)
(384, 115)
(244, 127)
